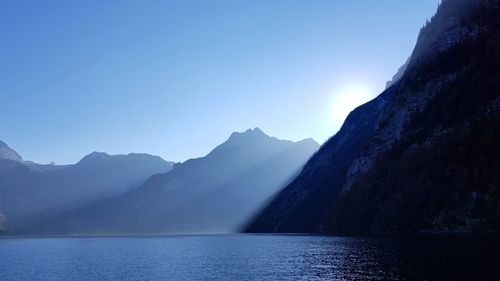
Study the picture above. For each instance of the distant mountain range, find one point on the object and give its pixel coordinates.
(216, 193)
(31, 192)
(424, 156)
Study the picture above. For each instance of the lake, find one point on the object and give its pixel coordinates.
(249, 257)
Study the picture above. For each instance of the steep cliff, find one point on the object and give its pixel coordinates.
(439, 171)
(451, 79)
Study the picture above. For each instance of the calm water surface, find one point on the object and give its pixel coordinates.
(249, 257)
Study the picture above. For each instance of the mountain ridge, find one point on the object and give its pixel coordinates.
(31, 192)
(322, 200)
(214, 193)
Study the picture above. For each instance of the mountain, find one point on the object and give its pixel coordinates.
(398, 75)
(29, 195)
(303, 204)
(43, 167)
(215, 193)
(8, 153)
(423, 156)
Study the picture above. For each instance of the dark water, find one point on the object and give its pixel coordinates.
(247, 257)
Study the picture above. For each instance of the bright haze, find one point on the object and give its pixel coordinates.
(175, 78)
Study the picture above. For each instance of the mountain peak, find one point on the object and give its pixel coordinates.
(97, 154)
(250, 133)
(94, 156)
(309, 141)
(250, 140)
(8, 153)
(452, 23)
(255, 130)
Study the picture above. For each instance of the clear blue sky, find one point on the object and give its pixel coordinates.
(175, 78)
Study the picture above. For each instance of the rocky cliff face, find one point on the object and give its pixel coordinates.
(453, 24)
(303, 204)
(440, 172)
(454, 21)
(8, 153)
(399, 74)
(440, 92)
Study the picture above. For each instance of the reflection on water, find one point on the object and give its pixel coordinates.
(249, 257)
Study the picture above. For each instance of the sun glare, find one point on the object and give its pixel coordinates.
(347, 99)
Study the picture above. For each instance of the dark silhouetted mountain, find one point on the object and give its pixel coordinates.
(398, 75)
(424, 155)
(303, 204)
(215, 193)
(8, 153)
(29, 195)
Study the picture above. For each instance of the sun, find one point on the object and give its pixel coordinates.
(347, 99)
